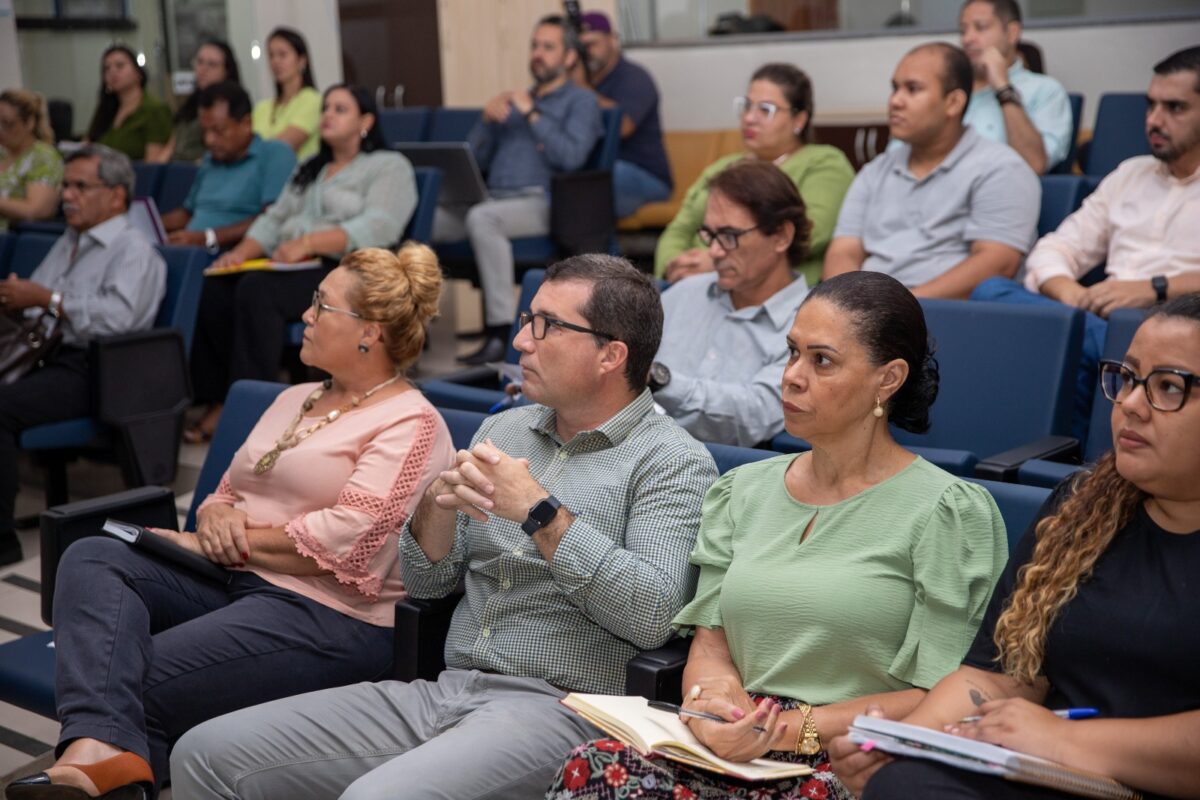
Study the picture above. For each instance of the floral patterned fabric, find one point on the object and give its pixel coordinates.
(606, 769)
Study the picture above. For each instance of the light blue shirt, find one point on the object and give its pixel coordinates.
(1045, 102)
(726, 364)
(225, 193)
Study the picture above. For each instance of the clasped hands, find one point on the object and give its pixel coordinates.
(500, 106)
(736, 739)
(485, 480)
(220, 535)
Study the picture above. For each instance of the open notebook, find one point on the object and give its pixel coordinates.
(902, 739)
(660, 733)
(261, 264)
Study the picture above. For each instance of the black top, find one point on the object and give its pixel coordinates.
(1128, 644)
(633, 90)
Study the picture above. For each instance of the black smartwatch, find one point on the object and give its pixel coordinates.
(541, 514)
(660, 376)
(1159, 282)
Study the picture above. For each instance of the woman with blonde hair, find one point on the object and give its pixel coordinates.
(1097, 607)
(305, 518)
(31, 170)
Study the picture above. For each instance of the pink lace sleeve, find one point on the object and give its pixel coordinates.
(384, 514)
(223, 494)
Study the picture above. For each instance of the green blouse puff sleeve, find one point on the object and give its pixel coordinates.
(713, 554)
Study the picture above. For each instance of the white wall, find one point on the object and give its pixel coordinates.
(850, 76)
(316, 20)
(10, 62)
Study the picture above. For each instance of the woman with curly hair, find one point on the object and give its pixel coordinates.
(1097, 607)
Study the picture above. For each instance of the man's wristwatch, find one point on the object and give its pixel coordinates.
(1008, 94)
(55, 304)
(660, 376)
(210, 241)
(541, 514)
(1159, 282)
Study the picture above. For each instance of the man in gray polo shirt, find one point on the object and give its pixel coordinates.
(569, 522)
(947, 209)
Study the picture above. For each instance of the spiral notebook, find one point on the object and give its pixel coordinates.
(902, 739)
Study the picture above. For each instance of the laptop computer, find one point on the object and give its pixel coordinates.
(462, 182)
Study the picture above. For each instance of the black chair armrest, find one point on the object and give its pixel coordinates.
(658, 674)
(61, 526)
(419, 646)
(1004, 466)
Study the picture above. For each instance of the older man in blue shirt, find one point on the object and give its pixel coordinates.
(525, 136)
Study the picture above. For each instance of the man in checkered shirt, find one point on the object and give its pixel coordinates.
(569, 522)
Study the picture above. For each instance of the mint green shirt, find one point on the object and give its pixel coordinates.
(822, 175)
(885, 594)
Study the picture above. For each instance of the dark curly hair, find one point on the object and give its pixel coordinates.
(889, 324)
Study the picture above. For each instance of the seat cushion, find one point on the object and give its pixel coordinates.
(27, 673)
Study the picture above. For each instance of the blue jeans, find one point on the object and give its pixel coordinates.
(1004, 290)
(633, 187)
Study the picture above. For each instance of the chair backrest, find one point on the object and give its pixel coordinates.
(1065, 166)
(1019, 505)
(1007, 374)
(245, 403)
(429, 186)
(531, 281)
(604, 154)
(28, 251)
(452, 124)
(185, 282)
(177, 180)
(462, 425)
(1120, 133)
(403, 124)
(147, 179)
(728, 456)
(1122, 324)
(62, 118)
(7, 242)
(1061, 196)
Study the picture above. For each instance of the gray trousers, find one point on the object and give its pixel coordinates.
(467, 735)
(489, 226)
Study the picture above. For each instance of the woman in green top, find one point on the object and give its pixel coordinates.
(776, 124)
(127, 118)
(31, 170)
(295, 113)
(852, 575)
(213, 63)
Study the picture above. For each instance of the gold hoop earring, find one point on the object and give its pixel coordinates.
(878, 412)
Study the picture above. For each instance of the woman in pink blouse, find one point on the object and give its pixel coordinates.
(305, 517)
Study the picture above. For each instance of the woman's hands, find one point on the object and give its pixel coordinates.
(1018, 724)
(221, 532)
(292, 251)
(855, 767)
(735, 739)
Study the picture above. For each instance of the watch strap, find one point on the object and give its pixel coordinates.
(541, 514)
(1159, 282)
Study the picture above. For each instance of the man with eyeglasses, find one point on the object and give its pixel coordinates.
(101, 277)
(947, 209)
(568, 522)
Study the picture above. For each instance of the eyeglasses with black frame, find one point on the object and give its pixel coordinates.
(318, 307)
(1166, 389)
(763, 108)
(726, 237)
(539, 324)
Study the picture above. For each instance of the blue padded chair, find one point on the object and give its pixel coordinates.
(1122, 324)
(728, 456)
(28, 250)
(462, 425)
(1065, 166)
(1120, 133)
(7, 242)
(177, 180)
(1061, 197)
(1019, 505)
(27, 664)
(452, 124)
(403, 124)
(54, 227)
(147, 179)
(142, 390)
(462, 390)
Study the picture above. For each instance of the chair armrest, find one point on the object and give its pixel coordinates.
(658, 674)
(62, 526)
(1004, 466)
(419, 646)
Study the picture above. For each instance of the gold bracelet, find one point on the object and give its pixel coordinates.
(808, 741)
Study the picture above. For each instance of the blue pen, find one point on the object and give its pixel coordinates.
(508, 401)
(1062, 713)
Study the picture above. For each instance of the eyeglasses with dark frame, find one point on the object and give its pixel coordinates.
(726, 237)
(1166, 389)
(764, 108)
(318, 307)
(540, 324)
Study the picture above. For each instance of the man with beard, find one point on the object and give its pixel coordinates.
(642, 173)
(525, 136)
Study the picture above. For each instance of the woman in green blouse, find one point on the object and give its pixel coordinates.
(127, 118)
(213, 63)
(852, 575)
(294, 114)
(31, 170)
(354, 193)
(776, 124)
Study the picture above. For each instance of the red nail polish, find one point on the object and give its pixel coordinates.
(245, 554)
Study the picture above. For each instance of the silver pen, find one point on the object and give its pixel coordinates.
(687, 712)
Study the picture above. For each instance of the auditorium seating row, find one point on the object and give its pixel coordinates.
(27, 664)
